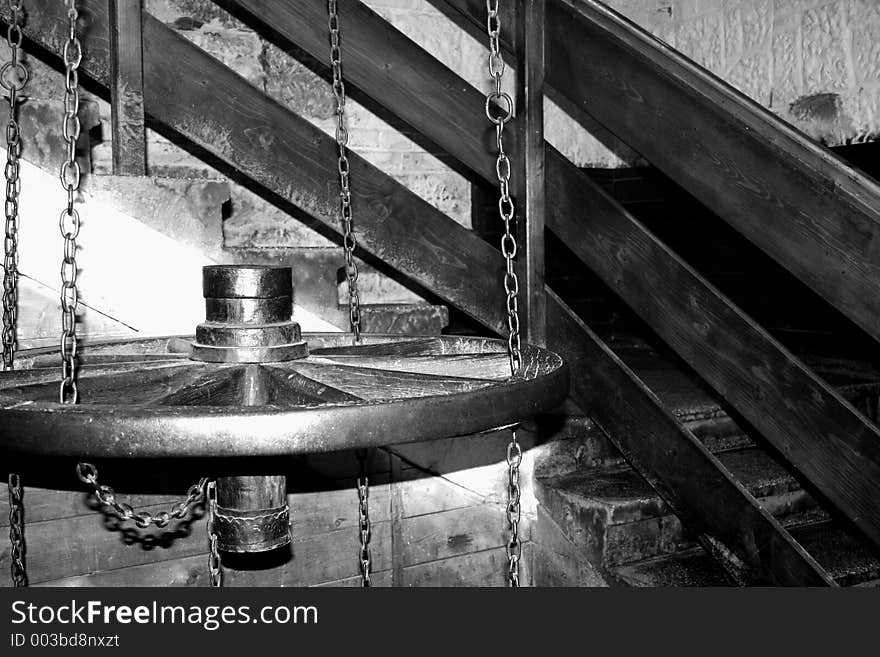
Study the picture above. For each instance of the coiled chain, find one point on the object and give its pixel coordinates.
(69, 222)
(16, 531)
(13, 78)
(365, 526)
(349, 242)
(499, 110)
(214, 566)
(88, 474)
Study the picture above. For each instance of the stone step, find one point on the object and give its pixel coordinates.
(411, 318)
(574, 440)
(849, 560)
(685, 569)
(616, 517)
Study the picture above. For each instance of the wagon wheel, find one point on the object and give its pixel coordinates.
(146, 398)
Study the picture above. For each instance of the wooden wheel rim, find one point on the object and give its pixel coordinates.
(30, 424)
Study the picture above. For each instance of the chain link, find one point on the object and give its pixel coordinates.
(499, 110)
(88, 474)
(16, 531)
(365, 525)
(13, 78)
(514, 546)
(68, 222)
(215, 568)
(349, 242)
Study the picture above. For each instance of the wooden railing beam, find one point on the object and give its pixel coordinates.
(127, 88)
(807, 209)
(674, 461)
(530, 183)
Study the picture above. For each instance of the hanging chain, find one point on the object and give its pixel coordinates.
(365, 526)
(88, 474)
(69, 222)
(214, 566)
(16, 530)
(13, 78)
(499, 110)
(349, 242)
(514, 546)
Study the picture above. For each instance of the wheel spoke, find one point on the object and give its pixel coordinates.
(468, 366)
(124, 383)
(294, 389)
(420, 347)
(212, 385)
(374, 384)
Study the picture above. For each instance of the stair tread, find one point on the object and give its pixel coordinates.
(679, 391)
(688, 397)
(683, 569)
(626, 496)
(847, 558)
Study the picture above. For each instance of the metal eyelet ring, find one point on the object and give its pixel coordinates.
(506, 109)
(21, 72)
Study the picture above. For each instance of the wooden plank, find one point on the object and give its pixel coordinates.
(290, 160)
(408, 81)
(531, 183)
(674, 461)
(127, 88)
(323, 560)
(94, 543)
(452, 533)
(804, 206)
(812, 425)
(486, 568)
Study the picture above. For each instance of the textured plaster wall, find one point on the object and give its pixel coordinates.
(815, 63)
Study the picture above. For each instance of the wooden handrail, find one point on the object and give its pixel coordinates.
(290, 161)
(675, 462)
(823, 436)
(806, 208)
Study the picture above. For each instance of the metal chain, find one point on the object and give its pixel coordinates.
(499, 110)
(16, 531)
(349, 242)
(365, 525)
(13, 78)
(88, 474)
(514, 546)
(69, 222)
(215, 568)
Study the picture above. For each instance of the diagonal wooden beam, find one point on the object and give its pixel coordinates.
(816, 429)
(295, 162)
(190, 92)
(806, 208)
(674, 461)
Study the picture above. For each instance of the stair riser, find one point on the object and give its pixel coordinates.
(646, 529)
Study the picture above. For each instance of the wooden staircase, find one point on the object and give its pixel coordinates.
(807, 210)
(606, 514)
